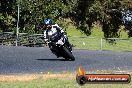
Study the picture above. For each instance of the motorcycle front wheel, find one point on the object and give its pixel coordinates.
(68, 55)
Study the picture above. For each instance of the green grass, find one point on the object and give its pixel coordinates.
(120, 45)
(93, 42)
(58, 83)
(73, 31)
(97, 32)
(85, 43)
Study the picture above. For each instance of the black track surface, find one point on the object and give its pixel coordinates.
(39, 59)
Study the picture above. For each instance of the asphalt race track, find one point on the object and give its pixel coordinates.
(39, 59)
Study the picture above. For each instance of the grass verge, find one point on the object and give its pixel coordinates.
(58, 83)
(93, 42)
(50, 81)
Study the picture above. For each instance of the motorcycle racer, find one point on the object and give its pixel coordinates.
(55, 32)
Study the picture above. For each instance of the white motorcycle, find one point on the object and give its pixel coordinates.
(60, 46)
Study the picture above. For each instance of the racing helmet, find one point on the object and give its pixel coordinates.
(48, 22)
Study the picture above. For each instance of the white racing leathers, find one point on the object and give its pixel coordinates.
(52, 32)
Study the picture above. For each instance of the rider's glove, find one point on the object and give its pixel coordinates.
(62, 31)
(45, 40)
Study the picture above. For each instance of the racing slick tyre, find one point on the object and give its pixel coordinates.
(68, 55)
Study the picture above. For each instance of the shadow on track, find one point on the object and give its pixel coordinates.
(52, 59)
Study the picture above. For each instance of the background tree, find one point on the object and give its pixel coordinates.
(84, 13)
(106, 12)
(7, 19)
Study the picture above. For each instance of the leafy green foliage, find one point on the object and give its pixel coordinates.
(105, 12)
(84, 13)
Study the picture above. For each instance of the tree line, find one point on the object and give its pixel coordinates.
(83, 13)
